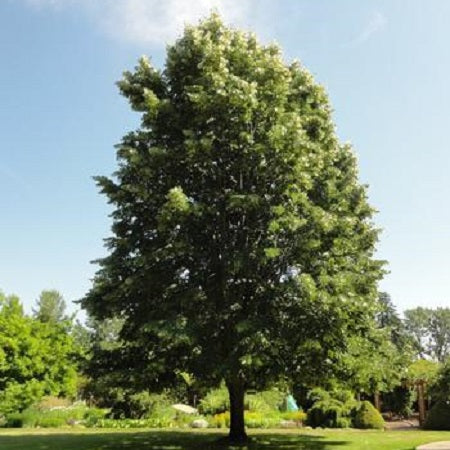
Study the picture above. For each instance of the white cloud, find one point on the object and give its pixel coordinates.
(375, 24)
(159, 21)
(151, 21)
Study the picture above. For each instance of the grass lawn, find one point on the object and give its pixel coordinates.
(177, 439)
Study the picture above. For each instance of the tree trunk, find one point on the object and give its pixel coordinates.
(421, 402)
(376, 400)
(236, 391)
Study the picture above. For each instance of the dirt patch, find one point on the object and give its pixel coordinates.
(409, 424)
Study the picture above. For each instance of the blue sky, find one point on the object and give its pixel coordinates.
(386, 67)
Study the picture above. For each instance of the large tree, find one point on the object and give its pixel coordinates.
(242, 244)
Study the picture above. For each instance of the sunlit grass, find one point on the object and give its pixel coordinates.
(82, 439)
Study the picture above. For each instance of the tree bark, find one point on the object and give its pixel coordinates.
(236, 391)
(421, 402)
(376, 400)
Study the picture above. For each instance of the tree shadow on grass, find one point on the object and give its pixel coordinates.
(161, 440)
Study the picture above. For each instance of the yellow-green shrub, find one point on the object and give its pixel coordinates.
(297, 416)
(257, 419)
(221, 420)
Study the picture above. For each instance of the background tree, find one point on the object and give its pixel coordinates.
(388, 319)
(36, 358)
(417, 324)
(387, 315)
(373, 364)
(82, 337)
(439, 330)
(430, 331)
(50, 307)
(242, 243)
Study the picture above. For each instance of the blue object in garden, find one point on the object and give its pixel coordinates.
(291, 404)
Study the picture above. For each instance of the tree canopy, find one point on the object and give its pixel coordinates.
(50, 307)
(242, 244)
(36, 358)
(430, 331)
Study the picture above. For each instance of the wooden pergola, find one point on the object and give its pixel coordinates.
(420, 373)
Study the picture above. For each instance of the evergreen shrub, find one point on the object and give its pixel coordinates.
(368, 417)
